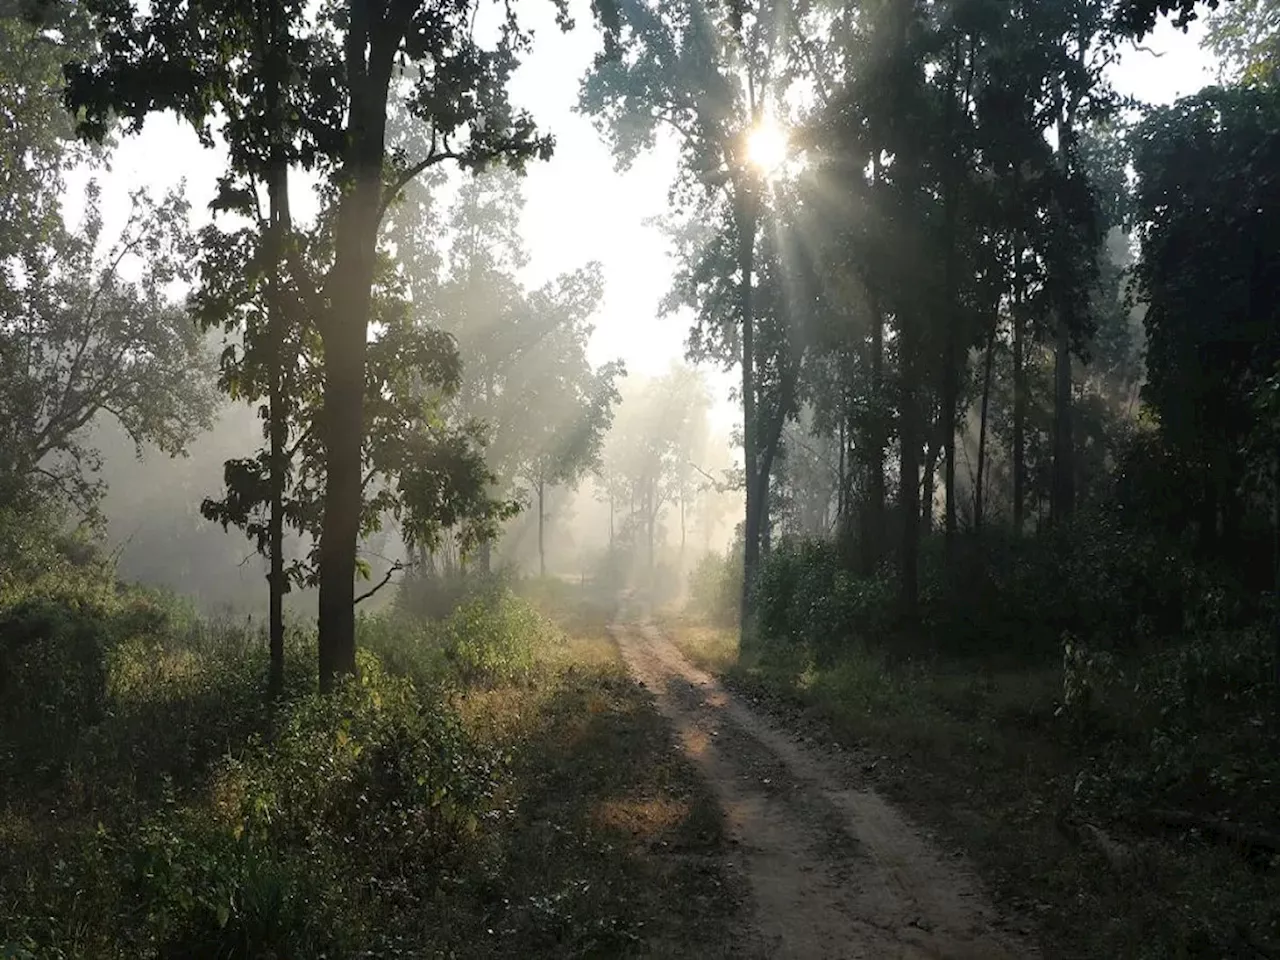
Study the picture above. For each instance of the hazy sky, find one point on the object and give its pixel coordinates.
(578, 207)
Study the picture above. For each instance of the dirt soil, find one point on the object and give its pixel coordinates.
(835, 871)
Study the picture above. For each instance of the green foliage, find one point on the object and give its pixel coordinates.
(1245, 37)
(1092, 673)
(1206, 203)
(715, 587)
(492, 640)
(199, 820)
(808, 601)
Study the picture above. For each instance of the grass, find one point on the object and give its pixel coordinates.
(494, 785)
(986, 759)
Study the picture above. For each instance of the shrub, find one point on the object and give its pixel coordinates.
(491, 637)
(715, 587)
(491, 640)
(434, 596)
(375, 758)
(806, 600)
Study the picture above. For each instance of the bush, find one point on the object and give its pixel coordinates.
(807, 601)
(715, 587)
(491, 640)
(491, 637)
(434, 596)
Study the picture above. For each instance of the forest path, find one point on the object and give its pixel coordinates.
(835, 871)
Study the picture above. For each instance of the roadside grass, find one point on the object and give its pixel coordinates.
(494, 785)
(985, 760)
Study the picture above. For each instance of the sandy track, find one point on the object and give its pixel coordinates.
(835, 871)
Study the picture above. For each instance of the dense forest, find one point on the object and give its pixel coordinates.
(350, 597)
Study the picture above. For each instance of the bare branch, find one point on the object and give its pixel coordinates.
(395, 568)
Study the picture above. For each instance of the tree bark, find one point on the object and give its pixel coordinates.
(873, 538)
(1062, 503)
(980, 483)
(278, 462)
(909, 487)
(929, 476)
(951, 280)
(345, 337)
(277, 457)
(1019, 395)
(1063, 493)
(747, 220)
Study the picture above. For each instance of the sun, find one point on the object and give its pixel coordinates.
(767, 146)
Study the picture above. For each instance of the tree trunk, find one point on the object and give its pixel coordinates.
(486, 557)
(746, 216)
(873, 538)
(1019, 395)
(345, 336)
(980, 482)
(909, 488)
(1062, 503)
(1063, 492)
(278, 430)
(929, 477)
(951, 280)
(1275, 578)
(542, 516)
(273, 54)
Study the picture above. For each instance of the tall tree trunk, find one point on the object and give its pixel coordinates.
(1062, 503)
(486, 557)
(1063, 490)
(1019, 395)
(951, 280)
(1275, 578)
(929, 476)
(274, 64)
(278, 430)
(747, 219)
(909, 485)
(345, 335)
(873, 539)
(610, 522)
(980, 483)
(542, 516)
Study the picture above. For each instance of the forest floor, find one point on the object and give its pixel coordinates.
(834, 871)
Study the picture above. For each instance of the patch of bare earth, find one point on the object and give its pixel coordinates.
(835, 871)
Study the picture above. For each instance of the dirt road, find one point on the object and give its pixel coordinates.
(835, 871)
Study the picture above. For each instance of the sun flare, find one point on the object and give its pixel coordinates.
(767, 146)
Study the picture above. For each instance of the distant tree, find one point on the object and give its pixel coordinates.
(526, 378)
(647, 457)
(708, 75)
(568, 407)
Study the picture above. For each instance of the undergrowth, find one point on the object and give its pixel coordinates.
(449, 802)
(1054, 690)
